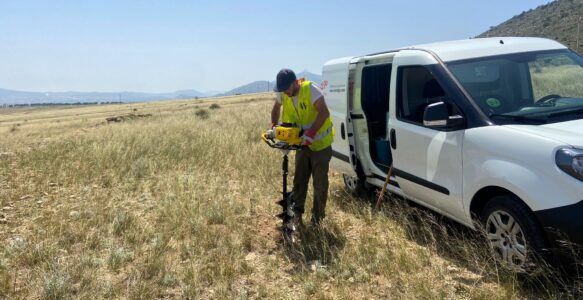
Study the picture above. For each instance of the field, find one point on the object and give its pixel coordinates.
(177, 200)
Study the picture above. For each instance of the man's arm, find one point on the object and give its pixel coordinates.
(323, 114)
(275, 112)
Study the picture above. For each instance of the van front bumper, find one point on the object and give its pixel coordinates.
(563, 225)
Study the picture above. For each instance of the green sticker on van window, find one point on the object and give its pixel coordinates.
(493, 102)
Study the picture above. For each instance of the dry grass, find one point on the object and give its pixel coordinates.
(564, 80)
(181, 206)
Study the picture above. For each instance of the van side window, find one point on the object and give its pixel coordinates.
(417, 88)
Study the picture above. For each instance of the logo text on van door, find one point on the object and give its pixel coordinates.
(337, 88)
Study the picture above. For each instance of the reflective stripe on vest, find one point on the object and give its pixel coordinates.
(322, 135)
(305, 114)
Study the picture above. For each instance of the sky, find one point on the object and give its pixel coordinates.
(164, 46)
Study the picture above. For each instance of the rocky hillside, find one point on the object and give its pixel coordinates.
(556, 20)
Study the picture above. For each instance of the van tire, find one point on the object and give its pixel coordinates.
(514, 236)
(354, 185)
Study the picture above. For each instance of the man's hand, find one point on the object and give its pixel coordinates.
(308, 137)
(271, 131)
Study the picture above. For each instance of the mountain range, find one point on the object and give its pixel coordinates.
(22, 97)
(11, 97)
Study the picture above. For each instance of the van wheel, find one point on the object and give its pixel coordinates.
(354, 185)
(512, 232)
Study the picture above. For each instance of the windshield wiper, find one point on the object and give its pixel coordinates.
(518, 118)
(578, 111)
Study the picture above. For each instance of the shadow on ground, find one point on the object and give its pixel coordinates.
(315, 246)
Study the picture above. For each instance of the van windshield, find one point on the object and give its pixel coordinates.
(525, 88)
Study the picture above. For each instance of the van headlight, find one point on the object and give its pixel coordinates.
(571, 161)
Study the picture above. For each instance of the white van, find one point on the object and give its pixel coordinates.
(481, 129)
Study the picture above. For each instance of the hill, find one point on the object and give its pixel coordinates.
(22, 97)
(267, 86)
(556, 20)
(253, 87)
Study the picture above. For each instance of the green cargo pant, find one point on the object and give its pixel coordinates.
(316, 164)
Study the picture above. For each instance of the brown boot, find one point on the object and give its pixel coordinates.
(298, 221)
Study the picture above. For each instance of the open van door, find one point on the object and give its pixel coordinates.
(336, 89)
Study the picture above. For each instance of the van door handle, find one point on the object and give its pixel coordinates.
(342, 134)
(393, 138)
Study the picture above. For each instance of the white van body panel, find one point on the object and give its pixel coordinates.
(335, 90)
(412, 57)
(569, 132)
(516, 158)
(472, 48)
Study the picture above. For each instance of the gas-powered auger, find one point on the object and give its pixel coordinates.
(285, 138)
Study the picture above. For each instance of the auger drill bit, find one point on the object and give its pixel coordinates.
(287, 215)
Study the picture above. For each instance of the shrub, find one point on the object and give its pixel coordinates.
(202, 113)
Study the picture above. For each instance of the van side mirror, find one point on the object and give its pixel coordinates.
(436, 115)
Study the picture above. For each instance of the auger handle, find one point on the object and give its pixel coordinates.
(278, 145)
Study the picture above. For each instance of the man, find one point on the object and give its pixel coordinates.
(304, 107)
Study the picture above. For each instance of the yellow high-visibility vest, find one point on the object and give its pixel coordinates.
(305, 115)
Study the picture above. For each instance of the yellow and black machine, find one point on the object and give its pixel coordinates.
(283, 136)
(286, 138)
